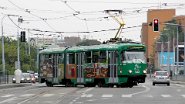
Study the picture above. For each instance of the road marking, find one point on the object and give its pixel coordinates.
(179, 85)
(183, 96)
(87, 95)
(149, 96)
(62, 93)
(90, 100)
(8, 100)
(27, 95)
(107, 95)
(84, 95)
(47, 95)
(9, 95)
(146, 90)
(166, 96)
(126, 95)
(87, 90)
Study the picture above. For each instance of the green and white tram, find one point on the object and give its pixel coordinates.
(121, 64)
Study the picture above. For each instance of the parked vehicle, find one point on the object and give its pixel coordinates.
(36, 77)
(25, 78)
(33, 79)
(161, 77)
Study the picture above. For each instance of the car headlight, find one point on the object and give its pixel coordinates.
(130, 71)
(22, 78)
(13, 79)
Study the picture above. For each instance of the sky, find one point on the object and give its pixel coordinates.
(83, 18)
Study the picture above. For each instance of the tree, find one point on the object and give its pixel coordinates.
(10, 48)
(170, 31)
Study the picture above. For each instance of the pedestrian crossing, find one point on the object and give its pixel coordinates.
(98, 95)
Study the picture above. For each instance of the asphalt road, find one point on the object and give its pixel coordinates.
(141, 94)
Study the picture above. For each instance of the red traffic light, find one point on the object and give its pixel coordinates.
(155, 21)
(155, 25)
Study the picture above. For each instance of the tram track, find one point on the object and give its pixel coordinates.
(46, 91)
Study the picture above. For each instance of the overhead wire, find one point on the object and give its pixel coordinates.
(75, 15)
(27, 11)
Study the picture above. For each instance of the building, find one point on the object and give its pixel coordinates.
(51, 41)
(148, 36)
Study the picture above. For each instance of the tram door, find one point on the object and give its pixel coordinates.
(55, 68)
(80, 71)
(113, 68)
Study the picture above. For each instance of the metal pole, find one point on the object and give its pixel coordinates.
(177, 56)
(3, 56)
(169, 55)
(184, 50)
(18, 49)
(18, 61)
(162, 57)
(28, 42)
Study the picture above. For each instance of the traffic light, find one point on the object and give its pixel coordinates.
(155, 25)
(23, 36)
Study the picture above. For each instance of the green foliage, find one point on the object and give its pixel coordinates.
(10, 49)
(170, 31)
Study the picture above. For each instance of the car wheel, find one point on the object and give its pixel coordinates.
(168, 84)
(153, 84)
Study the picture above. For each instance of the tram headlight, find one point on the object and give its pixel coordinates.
(130, 71)
(144, 71)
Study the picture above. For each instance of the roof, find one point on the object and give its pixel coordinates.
(108, 46)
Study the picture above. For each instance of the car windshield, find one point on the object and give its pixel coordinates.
(161, 73)
(26, 75)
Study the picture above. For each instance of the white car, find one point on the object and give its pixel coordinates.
(161, 77)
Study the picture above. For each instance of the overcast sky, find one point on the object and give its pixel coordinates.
(73, 17)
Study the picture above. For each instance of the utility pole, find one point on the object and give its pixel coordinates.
(169, 70)
(177, 46)
(3, 56)
(184, 50)
(20, 20)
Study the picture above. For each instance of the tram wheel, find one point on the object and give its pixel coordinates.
(100, 84)
(49, 84)
(68, 84)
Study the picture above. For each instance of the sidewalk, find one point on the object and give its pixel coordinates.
(12, 85)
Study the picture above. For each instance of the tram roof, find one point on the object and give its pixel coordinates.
(103, 47)
(109, 46)
(52, 50)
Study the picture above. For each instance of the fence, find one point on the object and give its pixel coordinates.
(4, 78)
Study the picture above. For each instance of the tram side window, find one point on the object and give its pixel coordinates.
(50, 58)
(88, 57)
(42, 59)
(102, 58)
(61, 58)
(95, 57)
(123, 56)
(72, 58)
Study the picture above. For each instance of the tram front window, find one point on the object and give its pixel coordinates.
(135, 56)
